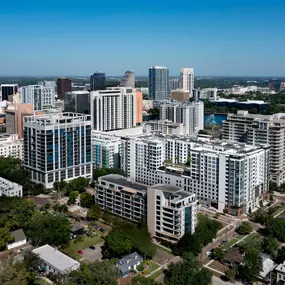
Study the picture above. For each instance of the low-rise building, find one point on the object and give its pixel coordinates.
(171, 212)
(10, 189)
(165, 127)
(55, 262)
(128, 263)
(280, 270)
(10, 145)
(20, 239)
(121, 197)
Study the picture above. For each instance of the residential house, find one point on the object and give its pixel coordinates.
(128, 263)
(19, 239)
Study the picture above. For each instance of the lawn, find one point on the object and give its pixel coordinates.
(156, 274)
(232, 241)
(162, 255)
(72, 249)
(152, 266)
(40, 282)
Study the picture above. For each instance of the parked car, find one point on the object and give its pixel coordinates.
(92, 247)
(101, 230)
(80, 252)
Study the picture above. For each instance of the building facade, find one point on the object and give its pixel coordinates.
(158, 83)
(227, 176)
(57, 147)
(180, 95)
(128, 79)
(122, 197)
(10, 189)
(113, 109)
(173, 84)
(105, 150)
(41, 97)
(139, 107)
(256, 129)
(191, 115)
(10, 145)
(187, 79)
(165, 127)
(171, 212)
(77, 102)
(63, 85)
(98, 81)
(7, 90)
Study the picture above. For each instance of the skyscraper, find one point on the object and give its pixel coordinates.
(158, 83)
(57, 147)
(8, 89)
(187, 79)
(77, 102)
(63, 86)
(98, 81)
(128, 79)
(41, 97)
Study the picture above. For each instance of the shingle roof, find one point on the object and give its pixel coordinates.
(55, 258)
(18, 235)
(128, 260)
(233, 256)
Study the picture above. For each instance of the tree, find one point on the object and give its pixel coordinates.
(86, 200)
(270, 245)
(271, 198)
(73, 195)
(244, 229)
(53, 229)
(252, 264)
(98, 272)
(219, 253)
(105, 171)
(260, 216)
(107, 217)
(187, 272)
(280, 256)
(5, 237)
(94, 212)
(139, 280)
(232, 273)
(11, 275)
(126, 239)
(78, 184)
(276, 228)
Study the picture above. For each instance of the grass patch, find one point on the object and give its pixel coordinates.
(158, 247)
(72, 249)
(279, 211)
(40, 281)
(152, 266)
(156, 274)
(231, 242)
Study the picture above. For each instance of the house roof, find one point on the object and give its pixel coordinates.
(55, 258)
(267, 265)
(233, 256)
(77, 227)
(128, 260)
(18, 235)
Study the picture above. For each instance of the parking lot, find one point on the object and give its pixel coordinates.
(93, 255)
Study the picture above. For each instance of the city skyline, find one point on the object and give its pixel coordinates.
(226, 38)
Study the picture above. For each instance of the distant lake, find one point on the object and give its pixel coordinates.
(210, 119)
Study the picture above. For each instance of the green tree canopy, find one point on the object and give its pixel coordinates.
(78, 184)
(53, 229)
(276, 228)
(73, 195)
(270, 245)
(94, 212)
(86, 200)
(126, 239)
(105, 171)
(244, 229)
(280, 256)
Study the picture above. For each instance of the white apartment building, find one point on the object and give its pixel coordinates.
(165, 127)
(171, 212)
(191, 115)
(10, 145)
(221, 174)
(122, 197)
(105, 150)
(209, 93)
(260, 129)
(113, 109)
(57, 146)
(42, 97)
(10, 189)
(187, 79)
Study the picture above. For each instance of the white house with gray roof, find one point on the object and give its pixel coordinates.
(54, 261)
(128, 262)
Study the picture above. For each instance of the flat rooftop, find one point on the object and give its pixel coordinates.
(122, 181)
(166, 188)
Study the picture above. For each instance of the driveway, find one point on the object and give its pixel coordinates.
(93, 255)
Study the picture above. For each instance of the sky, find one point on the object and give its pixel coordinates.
(70, 38)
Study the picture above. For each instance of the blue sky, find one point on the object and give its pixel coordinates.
(222, 37)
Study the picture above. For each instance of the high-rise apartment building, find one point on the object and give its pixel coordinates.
(171, 212)
(7, 90)
(63, 85)
(113, 109)
(187, 79)
(190, 114)
(128, 79)
(97, 81)
(57, 147)
(164, 127)
(180, 95)
(256, 129)
(221, 174)
(173, 84)
(158, 83)
(47, 83)
(77, 102)
(41, 97)
(15, 114)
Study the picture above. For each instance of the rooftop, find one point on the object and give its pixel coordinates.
(55, 258)
(129, 260)
(122, 181)
(18, 235)
(166, 188)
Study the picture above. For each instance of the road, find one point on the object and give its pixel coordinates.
(218, 281)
